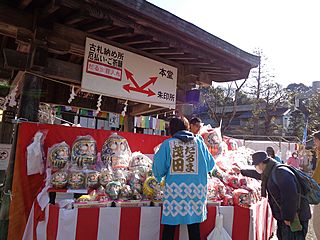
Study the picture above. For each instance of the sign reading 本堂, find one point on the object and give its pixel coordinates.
(118, 73)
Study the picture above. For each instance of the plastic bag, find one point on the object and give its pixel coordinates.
(139, 160)
(140, 164)
(35, 156)
(242, 198)
(216, 189)
(219, 232)
(212, 138)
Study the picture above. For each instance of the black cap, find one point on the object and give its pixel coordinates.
(259, 157)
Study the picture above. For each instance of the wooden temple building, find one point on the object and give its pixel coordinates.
(45, 39)
(42, 45)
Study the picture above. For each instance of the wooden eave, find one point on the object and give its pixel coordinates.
(58, 29)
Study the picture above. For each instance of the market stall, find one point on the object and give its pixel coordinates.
(254, 222)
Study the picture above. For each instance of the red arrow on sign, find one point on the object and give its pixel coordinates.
(151, 81)
(149, 92)
(136, 87)
(129, 76)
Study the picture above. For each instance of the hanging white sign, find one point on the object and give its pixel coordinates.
(118, 73)
(5, 152)
(114, 120)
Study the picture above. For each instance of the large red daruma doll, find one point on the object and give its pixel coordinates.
(212, 138)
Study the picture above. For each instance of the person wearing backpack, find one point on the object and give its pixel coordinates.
(316, 177)
(281, 185)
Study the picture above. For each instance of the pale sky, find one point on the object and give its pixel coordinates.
(288, 31)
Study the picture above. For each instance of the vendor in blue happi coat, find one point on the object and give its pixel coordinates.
(185, 161)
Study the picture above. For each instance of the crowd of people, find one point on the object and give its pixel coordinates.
(184, 160)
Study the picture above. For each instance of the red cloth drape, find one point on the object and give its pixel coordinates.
(25, 187)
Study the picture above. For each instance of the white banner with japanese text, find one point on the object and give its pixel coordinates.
(118, 73)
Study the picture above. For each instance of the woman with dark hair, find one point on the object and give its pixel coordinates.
(184, 160)
(272, 154)
(316, 176)
(294, 160)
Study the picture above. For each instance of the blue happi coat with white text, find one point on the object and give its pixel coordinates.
(185, 161)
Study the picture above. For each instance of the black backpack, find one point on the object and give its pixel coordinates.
(308, 188)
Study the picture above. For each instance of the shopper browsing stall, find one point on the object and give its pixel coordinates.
(280, 184)
(184, 161)
(294, 160)
(271, 153)
(195, 125)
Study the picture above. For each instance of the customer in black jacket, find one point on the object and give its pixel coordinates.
(282, 195)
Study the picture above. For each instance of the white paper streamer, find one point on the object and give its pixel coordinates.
(99, 103)
(123, 113)
(72, 95)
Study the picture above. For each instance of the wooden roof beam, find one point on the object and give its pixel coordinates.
(141, 109)
(212, 68)
(99, 25)
(91, 10)
(218, 71)
(58, 69)
(11, 19)
(222, 77)
(75, 18)
(49, 9)
(195, 62)
(134, 39)
(151, 46)
(118, 32)
(185, 56)
(166, 51)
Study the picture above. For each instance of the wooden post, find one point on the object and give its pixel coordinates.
(30, 98)
(28, 109)
(128, 123)
(6, 198)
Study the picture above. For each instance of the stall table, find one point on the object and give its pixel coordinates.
(143, 223)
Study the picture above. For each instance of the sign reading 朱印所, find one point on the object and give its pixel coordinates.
(115, 72)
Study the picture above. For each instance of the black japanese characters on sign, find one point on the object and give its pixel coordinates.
(101, 54)
(190, 151)
(166, 96)
(177, 159)
(184, 157)
(166, 73)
